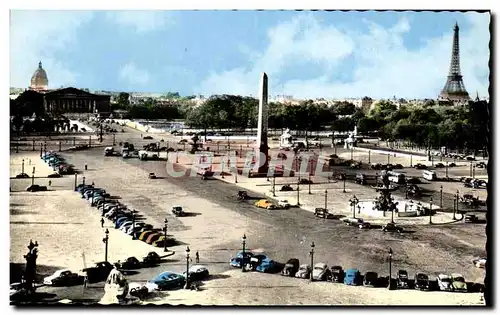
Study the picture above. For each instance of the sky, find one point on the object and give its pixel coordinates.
(306, 54)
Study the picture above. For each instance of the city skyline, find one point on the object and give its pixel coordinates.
(306, 54)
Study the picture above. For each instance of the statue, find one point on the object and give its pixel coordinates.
(30, 272)
(286, 139)
(194, 146)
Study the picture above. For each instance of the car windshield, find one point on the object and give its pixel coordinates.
(459, 279)
(178, 208)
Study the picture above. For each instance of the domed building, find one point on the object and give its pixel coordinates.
(39, 80)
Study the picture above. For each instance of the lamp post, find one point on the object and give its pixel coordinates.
(309, 183)
(133, 224)
(298, 192)
(243, 242)
(187, 268)
(446, 170)
(344, 176)
(236, 174)
(311, 253)
(388, 158)
(326, 198)
(177, 157)
(393, 206)
(430, 211)
(222, 169)
(406, 191)
(458, 196)
(22, 167)
(390, 269)
(33, 176)
(473, 171)
(470, 168)
(274, 185)
(165, 234)
(83, 178)
(441, 197)
(352, 149)
(353, 202)
(92, 200)
(105, 240)
(76, 180)
(114, 141)
(411, 160)
(369, 156)
(454, 208)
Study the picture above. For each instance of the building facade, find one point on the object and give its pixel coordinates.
(72, 100)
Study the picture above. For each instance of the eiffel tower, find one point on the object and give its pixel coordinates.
(454, 89)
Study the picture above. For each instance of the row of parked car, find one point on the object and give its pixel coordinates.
(250, 261)
(125, 219)
(58, 163)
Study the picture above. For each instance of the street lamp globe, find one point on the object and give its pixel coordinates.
(244, 238)
(106, 232)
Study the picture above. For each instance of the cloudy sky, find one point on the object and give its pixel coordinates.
(305, 54)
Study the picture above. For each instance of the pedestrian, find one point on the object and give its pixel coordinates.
(93, 183)
(29, 161)
(50, 182)
(85, 166)
(197, 257)
(85, 281)
(102, 222)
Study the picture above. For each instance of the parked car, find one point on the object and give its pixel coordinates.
(322, 213)
(166, 280)
(178, 211)
(439, 165)
(267, 265)
(320, 272)
(265, 204)
(153, 237)
(284, 204)
(144, 235)
(304, 272)
(337, 274)
(458, 283)
(197, 272)
(286, 188)
(147, 138)
(152, 176)
(370, 279)
(291, 267)
(444, 282)
(242, 195)
(403, 279)
(422, 282)
(471, 218)
(99, 272)
(152, 258)
(63, 277)
(391, 227)
(240, 259)
(35, 188)
(420, 166)
(352, 276)
(305, 181)
(129, 263)
(365, 225)
(481, 165)
(22, 175)
(469, 200)
(480, 262)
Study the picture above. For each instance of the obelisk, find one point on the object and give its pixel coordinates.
(262, 149)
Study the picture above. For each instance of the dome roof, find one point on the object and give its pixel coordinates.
(39, 78)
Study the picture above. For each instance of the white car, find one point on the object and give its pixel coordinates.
(320, 271)
(480, 262)
(444, 282)
(62, 276)
(283, 203)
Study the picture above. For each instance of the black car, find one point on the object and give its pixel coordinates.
(403, 279)
(54, 175)
(413, 190)
(439, 165)
(129, 263)
(152, 258)
(471, 218)
(422, 282)
(370, 279)
(35, 188)
(99, 272)
(420, 166)
(305, 181)
(398, 166)
(22, 175)
(291, 267)
(391, 227)
(147, 138)
(376, 166)
(178, 211)
(337, 274)
(286, 188)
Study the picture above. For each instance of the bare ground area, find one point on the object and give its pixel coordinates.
(214, 229)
